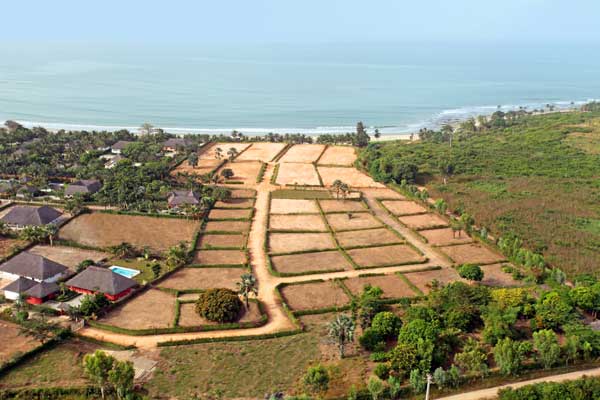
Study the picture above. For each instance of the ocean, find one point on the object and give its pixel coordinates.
(286, 88)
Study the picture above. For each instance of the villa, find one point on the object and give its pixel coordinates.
(101, 280)
(34, 267)
(84, 187)
(118, 147)
(179, 198)
(19, 217)
(174, 144)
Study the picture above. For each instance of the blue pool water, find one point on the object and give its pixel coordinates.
(126, 272)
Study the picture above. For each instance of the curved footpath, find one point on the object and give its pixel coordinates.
(277, 319)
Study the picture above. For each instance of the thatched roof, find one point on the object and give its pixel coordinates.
(103, 280)
(29, 215)
(32, 266)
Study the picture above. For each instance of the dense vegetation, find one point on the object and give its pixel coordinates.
(584, 388)
(535, 177)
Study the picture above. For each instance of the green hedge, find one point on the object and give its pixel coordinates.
(55, 393)
(274, 175)
(231, 338)
(261, 172)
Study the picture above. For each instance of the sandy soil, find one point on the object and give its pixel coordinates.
(289, 206)
(102, 230)
(423, 221)
(235, 203)
(342, 205)
(340, 222)
(207, 241)
(314, 295)
(289, 242)
(351, 176)
(302, 153)
(300, 174)
(12, 342)
(203, 278)
(151, 309)
(404, 207)
(311, 262)
(386, 255)
(229, 214)
(472, 253)
(494, 276)
(338, 155)
(204, 167)
(297, 223)
(68, 256)
(188, 316)
(382, 193)
(422, 280)
(241, 194)
(227, 226)
(261, 152)
(392, 286)
(210, 153)
(367, 237)
(246, 171)
(445, 236)
(7, 244)
(219, 257)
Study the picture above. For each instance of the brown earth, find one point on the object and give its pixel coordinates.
(314, 295)
(203, 278)
(235, 203)
(189, 317)
(386, 255)
(423, 279)
(392, 286)
(302, 153)
(241, 193)
(297, 222)
(227, 226)
(401, 207)
(341, 222)
(12, 342)
(225, 146)
(229, 214)
(423, 221)
(151, 309)
(246, 171)
(382, 193)
(290, 206)
(7, 245)
(300, 174)
(471, 253)
(290, 242)
(219, 257)
(310, 262)
(329, 206)
(367, 237)
(203, 167)
(261, 151)
(68, 256)
(494, 276)
(445, 236)
(338, 155)
(351, 176)
(208, 240)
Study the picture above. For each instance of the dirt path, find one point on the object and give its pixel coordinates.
(492, 393)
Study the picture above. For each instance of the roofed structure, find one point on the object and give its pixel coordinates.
(96, 279)
(83, 186)
(30, 215)
(182, 197)
(34, 267)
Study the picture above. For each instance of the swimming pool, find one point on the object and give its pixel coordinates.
(126, 272)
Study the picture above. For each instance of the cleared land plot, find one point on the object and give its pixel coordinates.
(329, 206)
(246, 171)
(314, 295)
(211, 153)
(382, 193)
(423, 279)
(301, 194)
(204, 167)
(102, 230)
(290, 206)
(8, 244)
(261, 152)
(310, 262)
(494, 276)
(348, 175)
(445, 236)
(384, 256)
(471, 253)
(227, 226)
(401, 207)
(230, 214)
(12, 342)
(241, 193)
(297, 223)
(368, 237)
(68, 256)
(393, 287)
(338, 155)
(151, 309)
(235, 203)
(208, 241)
(203, 278)
(302, 153)
(219, 257)
(189, 317)
(341, 222)
(291, 242)
(423, 221)
(300, 174)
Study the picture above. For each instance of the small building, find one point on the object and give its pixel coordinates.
(19, 217)
(178, 198)
(174, 144)
(118, 147)
(84, 187)
(13, 290)
(41, 292)
(27, 191)
(101, 280)
(34, 267)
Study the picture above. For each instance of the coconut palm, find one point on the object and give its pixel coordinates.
(247, 286)
(51, 230)
(192, 160)
(218, 153)
(232, 153)
(345, 189)
(341, 331)
(336, 186)
(177, 255)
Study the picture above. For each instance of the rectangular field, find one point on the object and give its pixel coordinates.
(368, 237)
(203, 278)
(261, 151)
(227, 226)
(445, 236)
(423, 279)
(494, 276)
(314, 295)
(303, 153)
(382, 193)
(151, 309)
(297, 174)
(385, 256)
(204, 167)
(344, 222)
(393, 287)
(330, 206)
(189, 317)
(241, 193)
(292, 242)
(68, 256)
(13, 343)
(472, 253)
(235, 203)
(211, 153)
(229, 214)
(8, 244)
(246, 171)
(310, 262)
(219, 257)
(348, 175)
(338, 155)
(207, 241)
(423, 221)
(103, 230)
(291, 206)
(297, 222)
(401, 207)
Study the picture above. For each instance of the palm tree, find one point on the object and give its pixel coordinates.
(4, 229)
(247, 286)
(192, 160)
(218, 153)
(34, 234)
(51, 230)
(336, 186)
(146, 128)
(232, 153)
(341, 331)
(177, 255)
(123, 250)
(345, 190)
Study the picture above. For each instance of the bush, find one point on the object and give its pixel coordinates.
(471, 272)
(382, 370)
(387, 324)
(371, 339)
(219, 305)
(316, 379)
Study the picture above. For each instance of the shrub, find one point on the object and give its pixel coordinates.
(84, 264)
(382, 370)
(219, 305)
(417, 381)
(316, 379)
(471, 272)
(371, 339)
(387, 324)
(547, 348)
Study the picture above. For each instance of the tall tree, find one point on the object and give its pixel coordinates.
(246, 286)
(192, 160)
(97, 367)
(362, 138)
(341, 331)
